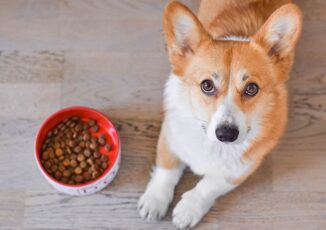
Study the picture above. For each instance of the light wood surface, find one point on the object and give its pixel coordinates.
(110, 55)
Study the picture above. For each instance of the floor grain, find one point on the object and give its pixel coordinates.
(110, 55)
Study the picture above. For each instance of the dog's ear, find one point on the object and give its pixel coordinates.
(281, 31)
(183, 32)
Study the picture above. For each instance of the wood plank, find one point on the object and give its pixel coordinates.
(29, 101)
(82, 25)
(123, 85)
(270, 211)
(299, 161)
(30, 67)
(313, 9)
(308, 75)
(11, 208)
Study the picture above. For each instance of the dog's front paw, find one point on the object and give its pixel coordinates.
(151, 207)
(188, 212)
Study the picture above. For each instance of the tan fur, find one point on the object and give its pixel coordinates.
(165, 158)
(201, 54)
(236, 17)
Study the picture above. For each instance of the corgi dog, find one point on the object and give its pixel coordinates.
(225, 100)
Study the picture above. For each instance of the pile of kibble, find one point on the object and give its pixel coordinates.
(70, 153)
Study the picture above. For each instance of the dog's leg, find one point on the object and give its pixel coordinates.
(154, 203)
(196, 202)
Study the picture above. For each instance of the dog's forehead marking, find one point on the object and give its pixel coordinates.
(245, 77)
(215, 76)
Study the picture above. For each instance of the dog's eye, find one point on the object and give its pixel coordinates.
(208, 88)
(251, 90)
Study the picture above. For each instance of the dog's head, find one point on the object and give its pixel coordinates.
(233, 87)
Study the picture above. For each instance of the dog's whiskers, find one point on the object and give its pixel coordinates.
(203, 124)
(203, 121)
(204, 128)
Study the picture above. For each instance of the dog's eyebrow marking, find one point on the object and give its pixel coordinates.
(215, 76)
(245, 77)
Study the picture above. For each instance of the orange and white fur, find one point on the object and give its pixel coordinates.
(225, 100)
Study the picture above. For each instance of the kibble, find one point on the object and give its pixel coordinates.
(66, 173)
(101, 140)
(47, 164)
(87, 153)
(104, 158)
(97, 162)
(78, 128)
(107, 147)
(66, 162)
(87, 175)
(71, 154)
(82, 144)
(58, 152)
(78, 170)
(79, 178)
(57, 175)
(83, 164)
(90, 161)
(95, 128)
(68, 150)
(80, 157)
(57, 145)
(77, 149)
(62, 167)
(97, 154)
(51, 153)
(95, 174)
(54, 168)
(73, 163)
(93, 145)
(85, 126)
(86, 137)
(91, 122)
(104, 165)
(45, 155)
(72, 143)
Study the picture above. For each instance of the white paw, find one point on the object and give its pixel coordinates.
(187, 213)
(151, 207)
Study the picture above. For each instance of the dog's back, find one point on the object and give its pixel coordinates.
(236, 17)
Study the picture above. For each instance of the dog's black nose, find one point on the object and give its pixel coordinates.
(227, 133)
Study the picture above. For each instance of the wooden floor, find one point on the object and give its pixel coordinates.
(110, 55)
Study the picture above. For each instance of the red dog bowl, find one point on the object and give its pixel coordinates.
(105, 127)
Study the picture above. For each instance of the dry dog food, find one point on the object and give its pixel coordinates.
(70, 153)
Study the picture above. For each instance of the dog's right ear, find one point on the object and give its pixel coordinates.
(183, 33)
(281, 31)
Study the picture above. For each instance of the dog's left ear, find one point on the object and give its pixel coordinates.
(281, 31)
(183, 33)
